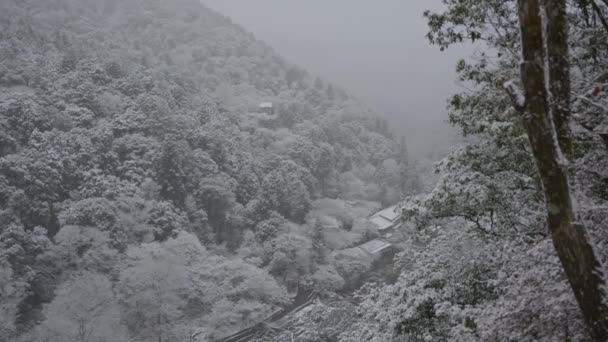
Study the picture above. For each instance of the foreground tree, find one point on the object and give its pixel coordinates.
(546, 116)
(84, 309)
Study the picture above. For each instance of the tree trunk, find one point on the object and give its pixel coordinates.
(559, 73)
(547, 133)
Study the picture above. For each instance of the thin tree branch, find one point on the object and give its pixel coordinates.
(599, 13)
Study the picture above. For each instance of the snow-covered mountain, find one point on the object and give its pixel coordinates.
(145, 194)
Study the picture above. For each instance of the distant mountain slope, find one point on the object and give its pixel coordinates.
(142, 193)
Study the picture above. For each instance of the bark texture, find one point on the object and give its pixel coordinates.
(547, 124)
(559, 72)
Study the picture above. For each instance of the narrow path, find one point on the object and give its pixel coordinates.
(300, 301)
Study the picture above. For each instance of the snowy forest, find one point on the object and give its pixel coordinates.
(167, 176)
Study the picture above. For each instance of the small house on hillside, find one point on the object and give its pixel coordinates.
(376, 248)
(357, 263)
(266, 107)
(387, 220)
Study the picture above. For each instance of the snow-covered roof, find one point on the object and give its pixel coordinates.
(381, 222)
(266, 105)
(391, 213)
(375, 246)
(386, 218)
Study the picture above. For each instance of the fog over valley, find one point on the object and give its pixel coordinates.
(376, 50)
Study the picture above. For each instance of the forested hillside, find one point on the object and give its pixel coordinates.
(143, 195)
(482, 266)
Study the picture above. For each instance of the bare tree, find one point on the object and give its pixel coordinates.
(545, 105)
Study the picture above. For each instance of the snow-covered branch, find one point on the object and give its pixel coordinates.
(517, 96)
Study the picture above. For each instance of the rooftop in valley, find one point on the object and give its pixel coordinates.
(386, 218)
(375, 246)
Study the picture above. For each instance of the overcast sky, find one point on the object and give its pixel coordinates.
(374, 48)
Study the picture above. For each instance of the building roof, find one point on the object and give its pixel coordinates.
(391, 213)
(266, 105)
(375, 246)
(380, 222)
(386, 218)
